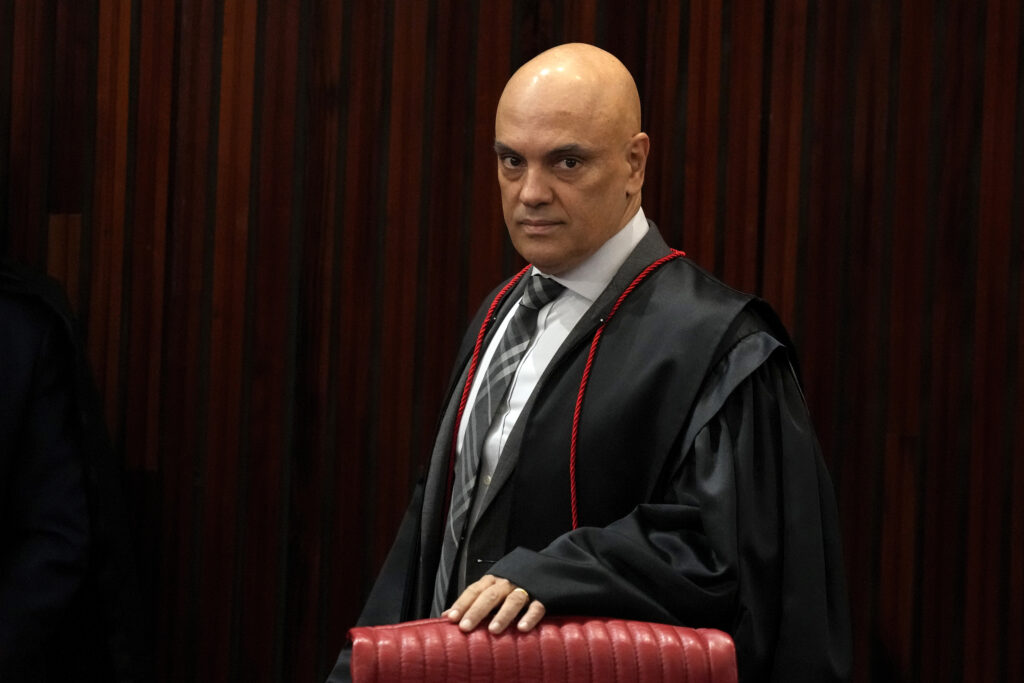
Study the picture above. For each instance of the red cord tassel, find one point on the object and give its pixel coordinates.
(574, 443)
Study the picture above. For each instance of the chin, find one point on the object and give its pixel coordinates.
(540, 258)
(543, 252)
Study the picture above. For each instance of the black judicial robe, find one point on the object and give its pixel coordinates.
(703, 498)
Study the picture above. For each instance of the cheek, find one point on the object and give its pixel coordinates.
(588, 206)
(509, 189)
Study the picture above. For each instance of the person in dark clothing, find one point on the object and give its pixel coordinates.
(69, 601)
(651, 456)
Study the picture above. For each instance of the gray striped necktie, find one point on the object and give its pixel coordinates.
(539, 291)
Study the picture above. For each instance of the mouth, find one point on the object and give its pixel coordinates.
(538, 226)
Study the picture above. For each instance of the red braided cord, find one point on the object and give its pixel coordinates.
(586, 376)
(469, 383)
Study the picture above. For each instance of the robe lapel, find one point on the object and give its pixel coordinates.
(650, 248)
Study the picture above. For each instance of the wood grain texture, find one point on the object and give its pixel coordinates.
(275, 218)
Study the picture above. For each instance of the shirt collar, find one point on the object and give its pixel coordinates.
(589, 278)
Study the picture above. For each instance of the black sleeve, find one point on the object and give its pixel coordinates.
(744, 538)
(45, 525)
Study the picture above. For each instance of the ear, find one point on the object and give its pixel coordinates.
(636, 154)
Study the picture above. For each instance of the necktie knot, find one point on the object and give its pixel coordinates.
(540, 291)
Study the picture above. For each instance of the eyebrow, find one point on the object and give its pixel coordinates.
(572, 149)
(502, 148)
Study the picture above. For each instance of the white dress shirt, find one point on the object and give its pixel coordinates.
(584, 284)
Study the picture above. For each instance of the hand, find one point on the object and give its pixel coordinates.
(482, 597)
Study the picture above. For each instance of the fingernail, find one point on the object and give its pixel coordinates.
(465, 624)
(494, 627)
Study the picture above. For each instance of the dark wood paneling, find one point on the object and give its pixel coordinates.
(32, 43)
(276, 217)
(985, 623)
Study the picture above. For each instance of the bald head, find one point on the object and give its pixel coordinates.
(571, 155)
(576, 78)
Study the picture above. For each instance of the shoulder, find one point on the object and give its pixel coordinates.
(25, 323)
(683, 299)
(35, 330)
(32, 306)
(680, 294)
(26, 288)
(688, 286)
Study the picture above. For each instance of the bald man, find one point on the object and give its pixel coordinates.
(651, 456)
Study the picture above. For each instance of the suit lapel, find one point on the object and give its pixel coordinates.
(435, 490)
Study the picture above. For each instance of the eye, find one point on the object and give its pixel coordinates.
(510, 161)
(569, 163)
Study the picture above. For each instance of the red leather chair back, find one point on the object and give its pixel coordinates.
(559, 649)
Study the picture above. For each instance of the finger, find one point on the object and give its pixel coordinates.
(514, 603)
(532, 617)
(468, 597)
(485, 602)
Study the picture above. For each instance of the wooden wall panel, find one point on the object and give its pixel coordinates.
(275, 218)
(148, 177)
(32, 41)
(987, 523)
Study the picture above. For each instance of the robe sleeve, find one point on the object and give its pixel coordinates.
(743, 537)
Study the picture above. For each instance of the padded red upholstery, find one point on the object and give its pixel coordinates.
(559, 649)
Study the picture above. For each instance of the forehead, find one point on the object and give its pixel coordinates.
(541, 125)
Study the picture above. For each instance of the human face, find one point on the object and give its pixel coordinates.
(568, 181)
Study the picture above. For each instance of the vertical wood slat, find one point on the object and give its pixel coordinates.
(64, 241)
(483, 223)
(1013, 559)
(741, 192)
(7, 84)
(894, 614)
(66, 185)
(871, 276)
(277, 198)
(1012, 584)
(108, 216)
(32, 38)
(661, 111)
(986, 525)
(401, 260)
(152, 132)
(481, 244)
(783, 159)
(359, 228)
(314, 501)
(223, 468)
(185, 359)
(816, 319)
(701, 167)
(953, 198)
(266, 418)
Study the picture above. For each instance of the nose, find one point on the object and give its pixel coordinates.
(536, 188)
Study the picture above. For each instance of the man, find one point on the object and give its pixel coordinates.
(651, 457)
